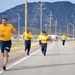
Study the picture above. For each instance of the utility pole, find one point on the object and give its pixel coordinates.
(60, 33)
(41, 8)
(56, 26)
(18, 25)
(46, 28)
(26, 16)
(67, 29)
(73, 31)
(50, 21)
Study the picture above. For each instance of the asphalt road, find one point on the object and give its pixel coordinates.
(60, 60)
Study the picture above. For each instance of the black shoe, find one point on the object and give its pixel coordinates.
(44, 54)
(4, 68)
(63, 45)
(28, 54)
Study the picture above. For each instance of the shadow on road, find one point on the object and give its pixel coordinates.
(39, 66)
(56, 54)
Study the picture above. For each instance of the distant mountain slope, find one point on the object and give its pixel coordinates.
(64, 11)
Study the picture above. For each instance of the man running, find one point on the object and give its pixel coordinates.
(63, 39)
(44, 39)
(27, 37)
(39, 37)
(5, 34)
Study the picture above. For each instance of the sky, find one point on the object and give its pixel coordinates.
(8, 4)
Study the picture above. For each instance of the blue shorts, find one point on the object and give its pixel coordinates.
(5, 45)
(0, 43)
(27, 44)
(44, 47)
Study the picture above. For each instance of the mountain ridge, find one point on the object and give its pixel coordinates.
(64, 11)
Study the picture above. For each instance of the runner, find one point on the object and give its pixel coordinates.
(39, 37)
(27, 37)
(63, 39)
(44, 39)
(5, 34)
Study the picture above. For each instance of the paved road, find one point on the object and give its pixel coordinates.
(60, 60)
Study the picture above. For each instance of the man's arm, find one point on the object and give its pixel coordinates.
(15, 34)
(23, 37)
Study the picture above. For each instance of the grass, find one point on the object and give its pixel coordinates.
(19, 46)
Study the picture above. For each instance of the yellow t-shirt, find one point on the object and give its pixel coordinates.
(6, 30)
(39, 37)
(63, 37)
(27, 36)
(44, 39)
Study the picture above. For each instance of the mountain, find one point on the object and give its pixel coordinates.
(64, 11)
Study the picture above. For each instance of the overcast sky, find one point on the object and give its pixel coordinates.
(7, 4)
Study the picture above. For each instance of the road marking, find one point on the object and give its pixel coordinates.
(19, 61)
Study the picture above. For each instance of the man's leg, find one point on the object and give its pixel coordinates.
(45, 49)
(42, 47)
(29, 46)
(25, 45)
(63, 42)
(6, 49)
(40, 42)
(5, 56)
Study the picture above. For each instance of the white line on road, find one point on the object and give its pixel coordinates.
(20, 61)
